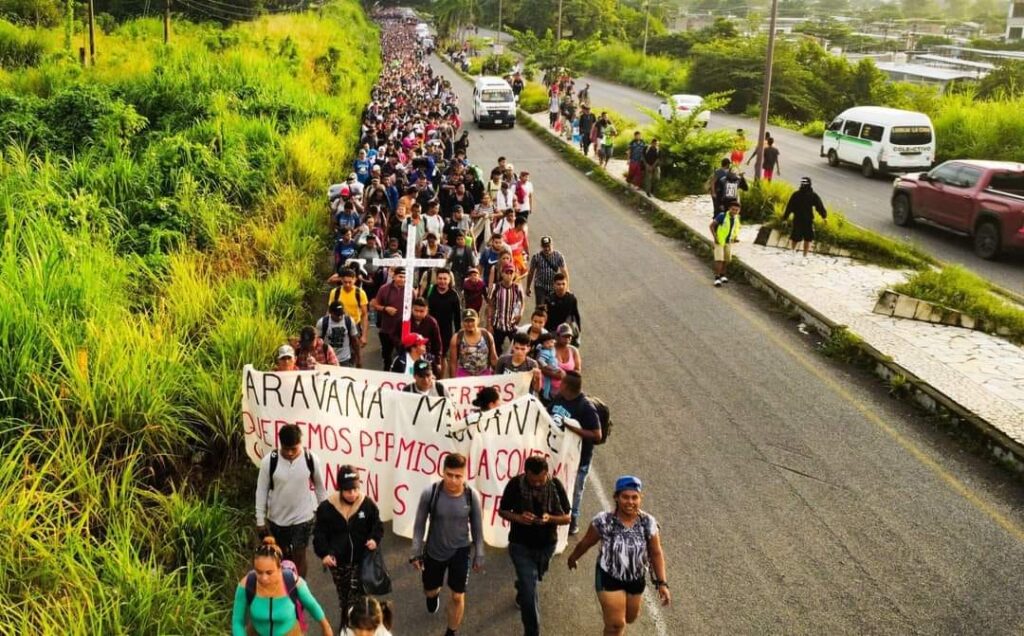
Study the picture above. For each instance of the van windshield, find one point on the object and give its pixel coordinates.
(494, 95)
(910, 135)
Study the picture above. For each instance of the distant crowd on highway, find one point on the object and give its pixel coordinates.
(416, 216)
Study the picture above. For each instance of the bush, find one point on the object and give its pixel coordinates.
(498, 64)
(765, 200)
(691, 152)
(534, 98)
(975, 129)
(959, 289)
(815, 129)
(19, 48)
(654, 73)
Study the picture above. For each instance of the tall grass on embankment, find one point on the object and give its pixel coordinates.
(162, 221)
(654, 73)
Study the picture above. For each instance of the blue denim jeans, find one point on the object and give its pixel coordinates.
(530, 564)
(577, 493)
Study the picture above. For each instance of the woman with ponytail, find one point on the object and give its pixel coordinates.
(274, 597)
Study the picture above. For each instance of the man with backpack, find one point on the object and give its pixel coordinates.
(534, 504)
(338, 330)
(454, 542)
(289, 488)
(728, 188)
(574, 412)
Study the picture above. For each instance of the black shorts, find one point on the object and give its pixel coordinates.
(802, 233)
(457, 568)
(604, 582)
(291, 539)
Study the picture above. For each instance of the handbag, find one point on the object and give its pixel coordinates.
(373, 573)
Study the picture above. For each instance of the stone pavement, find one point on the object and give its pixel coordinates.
(982, 373)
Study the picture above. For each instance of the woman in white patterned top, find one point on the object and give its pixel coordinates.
(630, 545)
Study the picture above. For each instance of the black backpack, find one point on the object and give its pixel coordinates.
(604, 416)
(273, 466)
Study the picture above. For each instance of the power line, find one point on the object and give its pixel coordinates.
(216, 12)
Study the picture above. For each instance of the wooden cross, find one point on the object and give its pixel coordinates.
(410, 263)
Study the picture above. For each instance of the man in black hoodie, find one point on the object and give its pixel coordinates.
(802, 205)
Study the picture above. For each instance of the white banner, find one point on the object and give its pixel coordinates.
(461, 391)
(398, 440)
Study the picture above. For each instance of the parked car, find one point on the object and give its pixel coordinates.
(983, 200)
(684, 105)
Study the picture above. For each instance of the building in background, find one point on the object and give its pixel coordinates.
(1015, 21)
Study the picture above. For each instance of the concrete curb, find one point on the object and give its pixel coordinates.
(996, 443)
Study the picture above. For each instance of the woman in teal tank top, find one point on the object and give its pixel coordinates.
(272, 611)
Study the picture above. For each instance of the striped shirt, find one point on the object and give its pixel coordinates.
(508, 306)
(544, 267)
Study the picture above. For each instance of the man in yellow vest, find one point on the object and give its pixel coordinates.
(725, 230)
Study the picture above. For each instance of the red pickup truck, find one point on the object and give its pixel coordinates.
(980, 199)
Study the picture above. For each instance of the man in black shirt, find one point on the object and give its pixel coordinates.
(572, 410)
(562, 306)
(587, 121)
(535, 504)
(446, 308)
(652, 166)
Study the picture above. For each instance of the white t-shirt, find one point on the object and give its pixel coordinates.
(380, 632)
(524, 206)
(434, 223)
(505, 200)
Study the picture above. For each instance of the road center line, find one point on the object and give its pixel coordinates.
(650, 599)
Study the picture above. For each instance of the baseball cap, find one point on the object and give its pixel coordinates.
(545, 240)
(470, 314)
(335, 307)
(805, 181)
(421, 367)
(285, 351)
(628, 482)
(508, 268)
(412, 340)
(348, 478)
(564, 329)
(352, 176)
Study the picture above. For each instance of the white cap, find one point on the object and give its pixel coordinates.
(285, 351)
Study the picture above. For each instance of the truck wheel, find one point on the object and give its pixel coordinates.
(833, 158)
(901, 212)
(987, 240)
(867, 169)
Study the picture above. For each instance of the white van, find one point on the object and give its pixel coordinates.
(493, 102)
(422, 30)
(880, 140)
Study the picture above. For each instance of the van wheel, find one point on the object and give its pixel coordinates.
(867, 169)
(902, 215)
(833, 158)
(987, 240)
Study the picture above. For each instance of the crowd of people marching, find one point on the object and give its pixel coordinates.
(413, 184)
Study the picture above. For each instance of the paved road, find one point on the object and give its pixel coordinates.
(864, 201)
(794, 497)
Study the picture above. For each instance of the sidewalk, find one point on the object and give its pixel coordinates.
(980, 376)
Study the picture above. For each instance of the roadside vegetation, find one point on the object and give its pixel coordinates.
(956, 288)
(163, 222)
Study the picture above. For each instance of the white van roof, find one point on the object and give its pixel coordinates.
(885, 116)
(493, 82)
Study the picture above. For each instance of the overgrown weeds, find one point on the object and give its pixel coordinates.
(956, 288)
(162, 216)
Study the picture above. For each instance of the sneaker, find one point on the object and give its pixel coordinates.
(433, 604)
(724, 279)
(449, 632)
(718, 283)
(574, 528)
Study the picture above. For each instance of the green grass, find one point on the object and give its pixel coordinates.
(163, 224)
(534, 98)
(654, 73)
(956, 288)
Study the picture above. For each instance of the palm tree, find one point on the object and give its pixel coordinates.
(452, 15)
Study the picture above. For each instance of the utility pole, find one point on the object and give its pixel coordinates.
(499, 22)
(647, 22)
(559, 20)
(92, 35)
(167, 21)
(762, 123)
